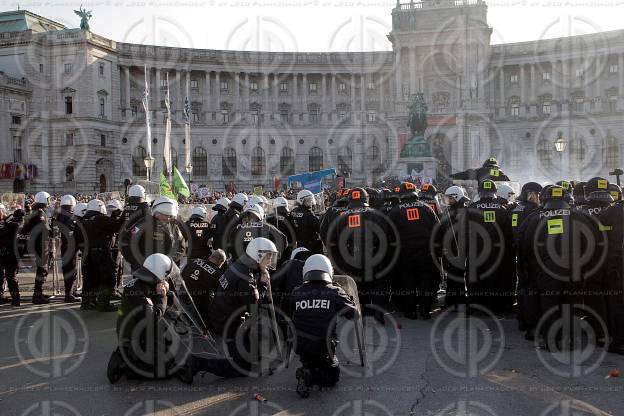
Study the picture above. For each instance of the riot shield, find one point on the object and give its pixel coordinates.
(350, 287)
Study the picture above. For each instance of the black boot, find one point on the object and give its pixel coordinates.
(116, 367)
(303, 382)
(103, 301)
(69, 297)
(15, 300)
(87, 302)
(38, 297)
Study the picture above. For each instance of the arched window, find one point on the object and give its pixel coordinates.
(258, 161)
(374, 160)
(611, 153)
(345, 161)
(545, 150)
(578, 149)
(287, 161)
(69, 170)
(138, 163)
(315, 159)
(228, 162)
(200, 162)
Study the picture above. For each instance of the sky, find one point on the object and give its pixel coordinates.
(309, 25)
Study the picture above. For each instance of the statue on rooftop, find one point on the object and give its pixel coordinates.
(85, 15)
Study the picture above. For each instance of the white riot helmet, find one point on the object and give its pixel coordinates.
(68, 201)
(222, 204)
(318, 268)
(281, 202)
(264, 199)
(42, 198)
(97, 206)
(136, 191)
(306, 198)
(113, 205)
(199, 212)
(259, 247)
(255, 199)
(165, 206)
(3, 210)
(80, 209)
(240, 199)
(297, 251)
(506, 192)
(455, 192)
(256, 210)
(160, 266)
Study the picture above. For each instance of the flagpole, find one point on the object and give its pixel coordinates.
(149, 160)
(187, 129)
(167, 143)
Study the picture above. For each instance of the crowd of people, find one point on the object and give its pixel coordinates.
(530, 255)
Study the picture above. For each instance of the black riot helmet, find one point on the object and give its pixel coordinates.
(428, 192)
(487, 188)
(597, 190)
(358, 197)
(528, 188)
(567, 186)
(555, 197)
(490, 162)
(579, 192)
(407, 190)
(375, 198)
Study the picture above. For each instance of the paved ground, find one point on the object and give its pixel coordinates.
(53, 362)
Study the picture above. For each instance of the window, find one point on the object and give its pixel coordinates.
(315, 111)
(102, 107)
(225, 85)
(578, 150)
(138, 162)
(345, 161)
(69, 108)
(313, 87)
(41, 68)
(287, 161)
(255, 117)
(134, 109)
(68, 68)
(69, 139)
(258, 161)
(342, 88)
(612, 98)
(163, 83)
(374, 161)
(17, 120)
(195, 116)
(513, 78)
(283, 87)
(545, 151)
(514, 110)
(545, 76)
(611, 153)
(580, 72)
(315, 159)
(371, 86)
(546, 108)
(225, 117)
(200, 162)
(284, 110)
(194, 84)
(69, 173)
(579, 103)
(371, 116)
(228, 162)
(613, 68)
(103, 140)
(253, 86)
(17, 149)
(101, 70)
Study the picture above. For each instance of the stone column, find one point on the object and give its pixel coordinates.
(333, 92)
(127, 92)
(157, 97)
(381, 93)
(621, 74)
(522, 85)
(353, 95)
(458, 88)
(305, 88)
(598, 84)
(276, 90)
(237, 100)
(501, 104)
(265, 94)
(414, 73)
(362, 92)
(398, 81)
(295, 99)
(246, 100)
(218, 87)
(207, 104)
(179, 100)
(533, 98)
(323, 96)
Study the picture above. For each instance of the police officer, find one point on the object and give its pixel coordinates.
(612, 220)
(306, 223)
(490, 276)
(9, 226)
(99, 280)
(114, 209)
(37, 227)
(490, 170)
(527, 291)
(251, 225)
(314, 307)
(456, 201)
(144, 303)
(418, 277)
(136, 207)
(202, 278)
(198, 234)
(65, 225)
(232, 216)
(289, 276)
(428, 194)
(579, 195)
(506, 195)
(281, 220)
(156, 233)
(218, 223)
(339, 205)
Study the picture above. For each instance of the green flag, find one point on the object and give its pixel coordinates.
(165, 187)
(179, 185)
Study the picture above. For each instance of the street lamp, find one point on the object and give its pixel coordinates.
(149, 163)
(189, 170)
(560, 147)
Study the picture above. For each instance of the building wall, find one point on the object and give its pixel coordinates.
(484, 100)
